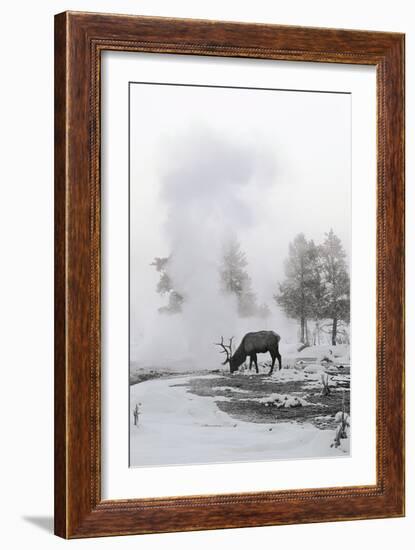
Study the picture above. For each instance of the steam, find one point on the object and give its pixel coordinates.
(211, 191)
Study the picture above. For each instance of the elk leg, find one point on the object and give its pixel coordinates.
(256, 362)
(279, 359)
(250, 362)
(273, 357)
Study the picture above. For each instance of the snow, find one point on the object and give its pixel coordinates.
(282, 401)
(321, 351)
(178, 427)
(314, 369)
(340, 417)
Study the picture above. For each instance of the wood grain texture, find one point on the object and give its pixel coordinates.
(79, 40)
(60, 276)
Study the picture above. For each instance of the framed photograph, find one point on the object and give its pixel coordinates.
(229, 275)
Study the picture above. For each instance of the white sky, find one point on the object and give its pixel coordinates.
(206, 162)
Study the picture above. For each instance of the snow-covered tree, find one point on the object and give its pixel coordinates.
(165, 286)
(247, 304)
(235, 280)
(296, 294)
(317, 287)
(334, 271)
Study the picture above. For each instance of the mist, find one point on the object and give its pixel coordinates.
(210, 186)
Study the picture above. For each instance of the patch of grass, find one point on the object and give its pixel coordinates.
(144, 374)
(239, 404)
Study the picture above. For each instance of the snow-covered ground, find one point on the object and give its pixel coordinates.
(176, 426)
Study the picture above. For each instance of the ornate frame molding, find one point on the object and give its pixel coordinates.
(79, 40)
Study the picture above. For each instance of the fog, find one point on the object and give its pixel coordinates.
(214, 174)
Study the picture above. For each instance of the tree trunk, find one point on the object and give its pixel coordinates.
(334, 332)
(302, 333)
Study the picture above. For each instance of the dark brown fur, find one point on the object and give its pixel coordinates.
(253, 343)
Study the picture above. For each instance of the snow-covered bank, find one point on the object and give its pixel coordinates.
(179, 427)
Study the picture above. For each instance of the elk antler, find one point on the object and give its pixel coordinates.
(226, 349)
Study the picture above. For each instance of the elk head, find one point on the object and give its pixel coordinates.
(226, 349)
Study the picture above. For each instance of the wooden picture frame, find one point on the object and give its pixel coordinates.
(79, 40)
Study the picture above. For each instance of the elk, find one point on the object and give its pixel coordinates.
(252, 343)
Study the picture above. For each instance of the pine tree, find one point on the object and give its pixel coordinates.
(247, 304)
(165, 286)
(235, 280)
(317, 290)
(336, 282)
(296, 292)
